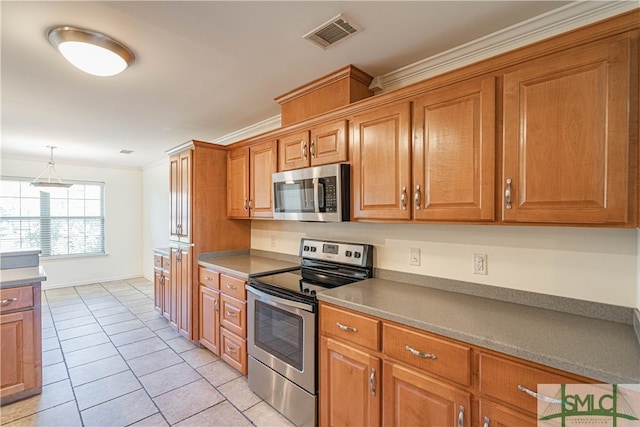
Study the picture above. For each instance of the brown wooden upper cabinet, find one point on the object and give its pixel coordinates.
(180, 195)
(454, 152)
(566, 136)
(249, 172)
(381, 163)
(323, 144)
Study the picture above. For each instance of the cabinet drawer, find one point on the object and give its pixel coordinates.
(233, 350)
(166, 263)
(349, 326)
(447, 359)
(16, 298)
(208, 278)
(157, 261)
(233, 286)
(233, 315)
(500, 378)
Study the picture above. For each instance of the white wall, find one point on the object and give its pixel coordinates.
(583, 263)
(155, 211)
(123, 224)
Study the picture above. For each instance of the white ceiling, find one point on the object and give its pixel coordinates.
(204, 69)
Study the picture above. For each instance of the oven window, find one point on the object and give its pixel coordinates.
(279, 333)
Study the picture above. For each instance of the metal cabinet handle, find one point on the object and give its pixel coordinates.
(461, 416)
(215, 305)
(507, 194)
(230, 350)
(208, 278)
(231, 314)
(419, 353)
(250, 204)
(416, 197)
(372, 379)
(234, 287)
(346, 328)
(304, 149)
(8, 301)
(487, 421)
(312, 148)
(245, 205)
(403, 198)
(538, 395)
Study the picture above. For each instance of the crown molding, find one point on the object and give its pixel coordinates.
(557, 21)
(253, 130)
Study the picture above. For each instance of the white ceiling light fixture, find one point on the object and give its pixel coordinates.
(92, 52)
(51, 167)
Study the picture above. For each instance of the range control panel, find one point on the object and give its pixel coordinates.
(346, 253)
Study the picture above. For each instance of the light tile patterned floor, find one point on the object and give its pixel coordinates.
(110, 360)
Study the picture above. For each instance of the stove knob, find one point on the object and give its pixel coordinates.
(348, 254)
(306, 290)
(305, 248)
(313, 248)
(313, 292)
(357, 255)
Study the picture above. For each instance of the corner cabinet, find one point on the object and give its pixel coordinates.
(249, 172)
(567, 136)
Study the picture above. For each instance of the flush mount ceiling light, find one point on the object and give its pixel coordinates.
(51, 167)
(90, 51)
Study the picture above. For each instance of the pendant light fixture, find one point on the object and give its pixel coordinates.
(51, 167)
(92, 52)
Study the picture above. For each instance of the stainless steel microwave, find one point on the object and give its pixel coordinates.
(319, 193)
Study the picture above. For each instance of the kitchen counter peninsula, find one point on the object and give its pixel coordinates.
(603, 350)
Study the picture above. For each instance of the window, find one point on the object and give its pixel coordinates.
(60, 221)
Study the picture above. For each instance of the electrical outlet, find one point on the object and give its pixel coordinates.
(415, 256)
(479, 264)
(273, 240)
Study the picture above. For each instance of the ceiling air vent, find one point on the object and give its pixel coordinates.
(329, 33)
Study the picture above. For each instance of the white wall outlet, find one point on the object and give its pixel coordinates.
(479, 264)
(415, 256)
(273, 240)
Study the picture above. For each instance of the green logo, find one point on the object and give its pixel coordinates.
(589, 404)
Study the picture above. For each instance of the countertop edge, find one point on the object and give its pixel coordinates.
(14, 277)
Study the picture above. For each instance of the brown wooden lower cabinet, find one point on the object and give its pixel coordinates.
(210, 319)
(416, 378)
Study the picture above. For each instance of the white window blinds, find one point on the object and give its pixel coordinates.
(60, 221)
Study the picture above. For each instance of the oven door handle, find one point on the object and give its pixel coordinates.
(281, 301)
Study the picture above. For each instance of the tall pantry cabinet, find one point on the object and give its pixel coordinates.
(198, 222)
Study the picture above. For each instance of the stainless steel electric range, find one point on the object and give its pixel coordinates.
(282, 324)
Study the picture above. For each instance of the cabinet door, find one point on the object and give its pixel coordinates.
(262, 163)
(169, 303)
(184, 292)
(381, 163)
(454, 153)
(238, 183)
(176, 287)
(184, 227)
(18, 358)
(329, 143)
(414, 399)
(349, 386)
(293, 151)
(493, 415)
(174, 196)
(158, 289)
(566, 136)
(210, 319)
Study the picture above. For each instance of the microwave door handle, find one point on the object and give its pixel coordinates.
(316, 190)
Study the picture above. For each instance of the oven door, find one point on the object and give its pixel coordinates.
(281, 335)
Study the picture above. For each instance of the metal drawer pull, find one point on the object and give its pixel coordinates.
(487, 422)
(461, 417)
(416, 197)
(208, 278)
(231, 350)
(507, 194)
(346, 328)
(231, 314)
(234, 287)
(8, 301)
(538, 395)
(215, 305)
(372, 379)
(419, 353)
